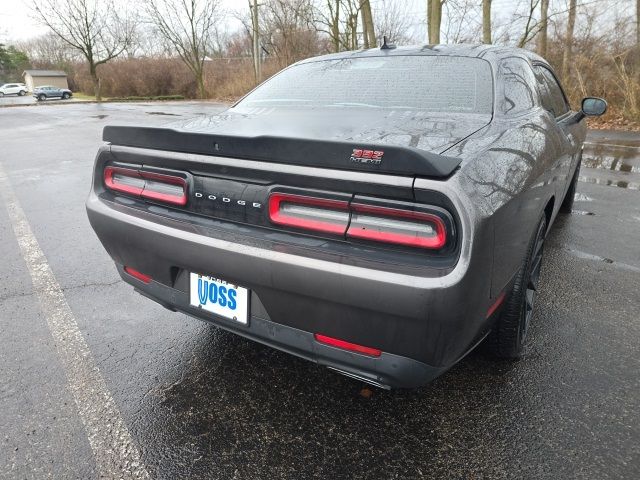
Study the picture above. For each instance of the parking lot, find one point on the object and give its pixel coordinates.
(192, 401)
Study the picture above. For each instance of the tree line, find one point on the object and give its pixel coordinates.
(590, 47)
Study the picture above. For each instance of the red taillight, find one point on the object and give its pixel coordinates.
(401, 227)
(310, 213)
(353, 347)
(123, 180)
(149, 185)
(136, 274)
(164, 188)
(367, 222)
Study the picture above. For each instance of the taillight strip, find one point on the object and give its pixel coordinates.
(279, 216)
(110, 182)
(150, 185)
(358, 227)
(358, 220)
(163, 196)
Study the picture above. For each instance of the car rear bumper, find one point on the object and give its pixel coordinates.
(387, 370)
(422, 325)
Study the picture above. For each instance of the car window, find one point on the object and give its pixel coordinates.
(420, 82)
(518, 86)
(552, 97)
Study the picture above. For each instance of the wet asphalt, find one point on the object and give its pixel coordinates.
(203, 403)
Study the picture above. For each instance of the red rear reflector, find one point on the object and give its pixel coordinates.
(136, 274)
(149, 185)
(401, 227)
(496, 304)
(353, 347)
(310, 213)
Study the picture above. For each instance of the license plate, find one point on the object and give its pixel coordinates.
(220, 297)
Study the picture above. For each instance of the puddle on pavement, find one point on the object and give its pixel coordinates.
(617, 164)
(608, 156)
(581, 212)
(598, 258)
(581, 197)
(164, 113)
(610, 183)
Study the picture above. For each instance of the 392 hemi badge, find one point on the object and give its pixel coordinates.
(373, 157)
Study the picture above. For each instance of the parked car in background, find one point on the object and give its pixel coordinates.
(47, 91)
(19, 89)
(379, 212)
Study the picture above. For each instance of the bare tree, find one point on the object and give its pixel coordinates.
(486, 21)
(339, 20)
(95, 28)
(393, 20)
(460, 26)
(49, 50)
(334, 23)
(638, 24)
(568, 41)
(435, 20)
(186, 26)
(544, 27)
(367, 24)
(327, 16)
(429, 21)
(288, 31)
(531, 26)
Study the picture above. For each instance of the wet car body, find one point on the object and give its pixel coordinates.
(487, 176)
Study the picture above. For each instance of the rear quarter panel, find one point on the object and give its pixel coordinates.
(512, 174)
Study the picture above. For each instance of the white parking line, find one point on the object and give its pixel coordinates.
(114, 450)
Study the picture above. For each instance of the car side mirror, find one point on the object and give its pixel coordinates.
(594, 106)
(591, 107)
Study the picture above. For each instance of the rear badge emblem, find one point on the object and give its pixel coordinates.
(373, 157)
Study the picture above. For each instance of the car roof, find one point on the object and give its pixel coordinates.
(492, 53)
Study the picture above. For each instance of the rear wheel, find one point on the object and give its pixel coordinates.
(1, 94)
(42, 97)
(567, 202)
(65, 96)
(507, 339)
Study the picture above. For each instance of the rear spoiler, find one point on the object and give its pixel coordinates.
(308, 152)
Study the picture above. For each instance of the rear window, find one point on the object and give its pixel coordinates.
(427, 83)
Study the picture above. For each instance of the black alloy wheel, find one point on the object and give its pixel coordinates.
(508, 336)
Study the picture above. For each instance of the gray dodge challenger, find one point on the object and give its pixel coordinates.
(379, 212)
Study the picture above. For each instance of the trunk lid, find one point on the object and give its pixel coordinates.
(404, 142)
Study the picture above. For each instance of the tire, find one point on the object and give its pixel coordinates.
(567, 201)
(22, 93)
(1, 94)
(65, 96)
(42, 97)
(508, 336)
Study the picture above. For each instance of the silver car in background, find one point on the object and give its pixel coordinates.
(48, 91)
